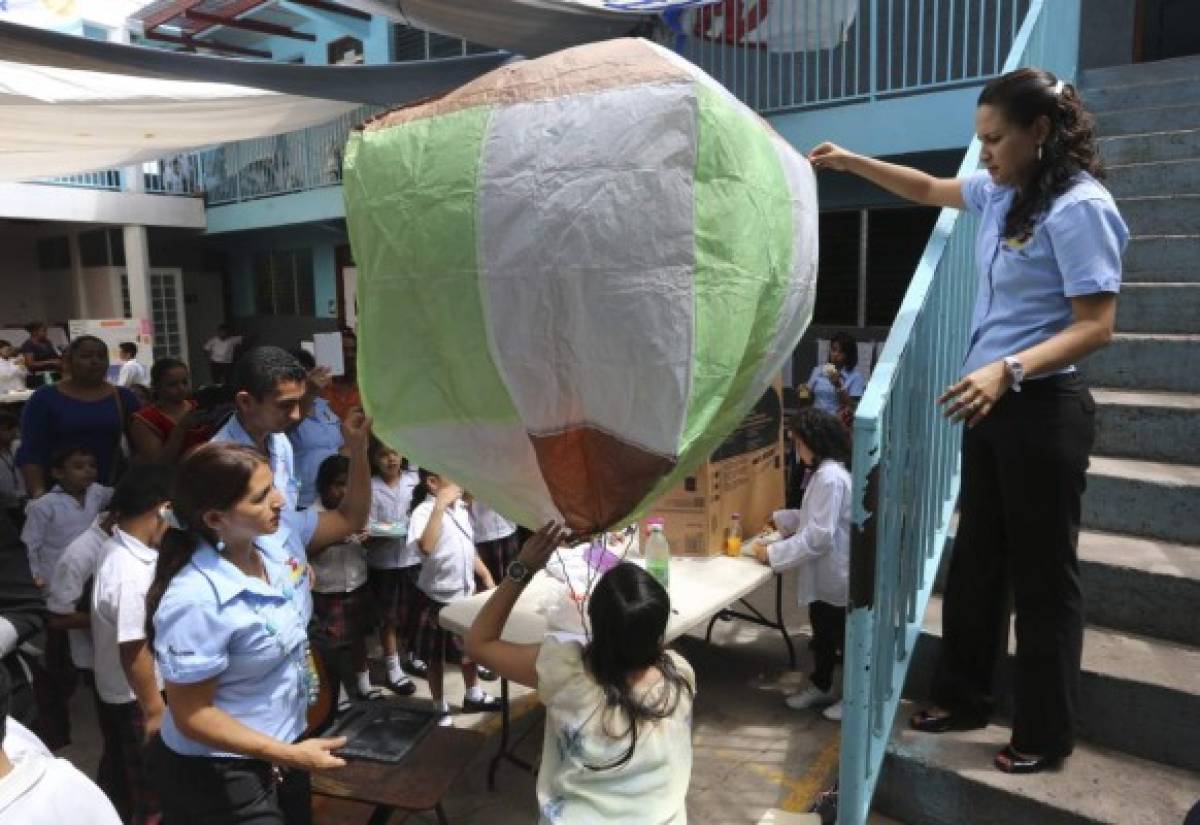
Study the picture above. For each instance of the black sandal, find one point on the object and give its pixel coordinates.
(406, 688)
(926, 722)
(1009, 761)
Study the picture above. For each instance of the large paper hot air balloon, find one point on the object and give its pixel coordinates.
(576, 276)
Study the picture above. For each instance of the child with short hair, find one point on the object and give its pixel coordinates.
(394, 564)
(342, 605)
(440, 527)
(128, 685)
(52, 523)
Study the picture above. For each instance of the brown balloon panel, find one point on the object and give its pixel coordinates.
(594, 477)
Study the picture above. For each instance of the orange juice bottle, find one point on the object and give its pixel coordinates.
(733, 536)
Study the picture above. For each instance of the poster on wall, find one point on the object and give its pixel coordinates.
(115, 331)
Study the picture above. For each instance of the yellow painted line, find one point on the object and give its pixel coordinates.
(803, 792)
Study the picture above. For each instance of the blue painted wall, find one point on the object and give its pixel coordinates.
(321, 240)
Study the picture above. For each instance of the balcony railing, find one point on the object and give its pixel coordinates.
(906, 456)
(292, 162)
(787, 55)
(179, 175)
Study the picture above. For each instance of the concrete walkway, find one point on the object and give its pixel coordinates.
(754, 758)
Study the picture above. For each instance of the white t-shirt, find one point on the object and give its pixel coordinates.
(221, 351)
(119, 611)
(651, 787)
(43, 790)
(448, 573)
(77, 565)
(132, 372)
(12, 375)
(55, 520)
(390, 505)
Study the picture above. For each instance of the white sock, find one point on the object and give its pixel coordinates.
(441, 707)
(364, 682)
(475, 694)
(395, 672)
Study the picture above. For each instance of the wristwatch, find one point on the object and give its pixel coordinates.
(519, 572)
(1016, 373)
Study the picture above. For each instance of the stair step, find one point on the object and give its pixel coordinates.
(1161, 215)
(1159, 308)
(1175, 177)
(1146, 362)
(1142, 121)
(1161, 257)
(1154, 147)
(1143, 498)
(949, 780)
(1150, 426)
(1151, 680)
(1172, 92)
(1133, 74)
(1127, 580)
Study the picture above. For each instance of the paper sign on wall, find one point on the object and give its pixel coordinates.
(327, 349)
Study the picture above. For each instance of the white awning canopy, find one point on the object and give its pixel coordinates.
(61, 121)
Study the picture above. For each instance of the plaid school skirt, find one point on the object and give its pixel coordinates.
(395, 596)
(342, 618)
(430, 642)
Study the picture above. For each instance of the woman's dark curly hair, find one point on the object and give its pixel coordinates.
(822, 433)
(1022, 97)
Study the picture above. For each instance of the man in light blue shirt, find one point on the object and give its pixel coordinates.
(269, 386)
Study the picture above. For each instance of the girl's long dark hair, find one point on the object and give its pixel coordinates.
(1022, 97)
(214, 477)
(421, 491)
(824, 434)
(628, 613)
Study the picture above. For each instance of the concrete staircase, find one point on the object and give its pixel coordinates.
(1139, 709)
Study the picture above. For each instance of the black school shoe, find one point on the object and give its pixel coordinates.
(415, 667)
(1009, 761)
(487, 675)
(406, 688)
(488, 704)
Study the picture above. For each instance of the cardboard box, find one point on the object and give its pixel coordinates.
(745, 475)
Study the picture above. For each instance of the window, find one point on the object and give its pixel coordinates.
(94, 31)
(102, 247)
(345, 50)
(895, 240)
(409, 43)
(283, 282)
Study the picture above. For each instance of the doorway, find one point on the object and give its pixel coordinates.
(1166, 29)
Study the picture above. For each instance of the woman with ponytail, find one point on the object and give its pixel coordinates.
(618, 741)
(1048, 254)
(227, 617)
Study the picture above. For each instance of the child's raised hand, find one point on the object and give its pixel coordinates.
(448, 493)
(356, 429)
(538, 547)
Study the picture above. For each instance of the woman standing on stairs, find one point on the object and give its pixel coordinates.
(1049, 258)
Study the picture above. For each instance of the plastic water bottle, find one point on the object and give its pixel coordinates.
(658, 554)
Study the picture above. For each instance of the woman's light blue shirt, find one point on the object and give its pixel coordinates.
(215, 621)
(825, 396)
(1025, 289)
(314, 439)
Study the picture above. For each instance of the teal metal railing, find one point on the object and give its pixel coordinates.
(178, 175)
(906, 456)
(785, 55)
(280, 164)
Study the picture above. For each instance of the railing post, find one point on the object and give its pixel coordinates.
(874, 47)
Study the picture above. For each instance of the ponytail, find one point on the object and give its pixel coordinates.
(214, 477)
(421, 491)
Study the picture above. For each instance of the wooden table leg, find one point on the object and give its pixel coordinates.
(381, 815)
(441, 815)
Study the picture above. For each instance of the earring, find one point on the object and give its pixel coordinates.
(1039, 155)
(220, 546)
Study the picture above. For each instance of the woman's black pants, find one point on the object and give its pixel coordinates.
(1024, 469)
(197, 790)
